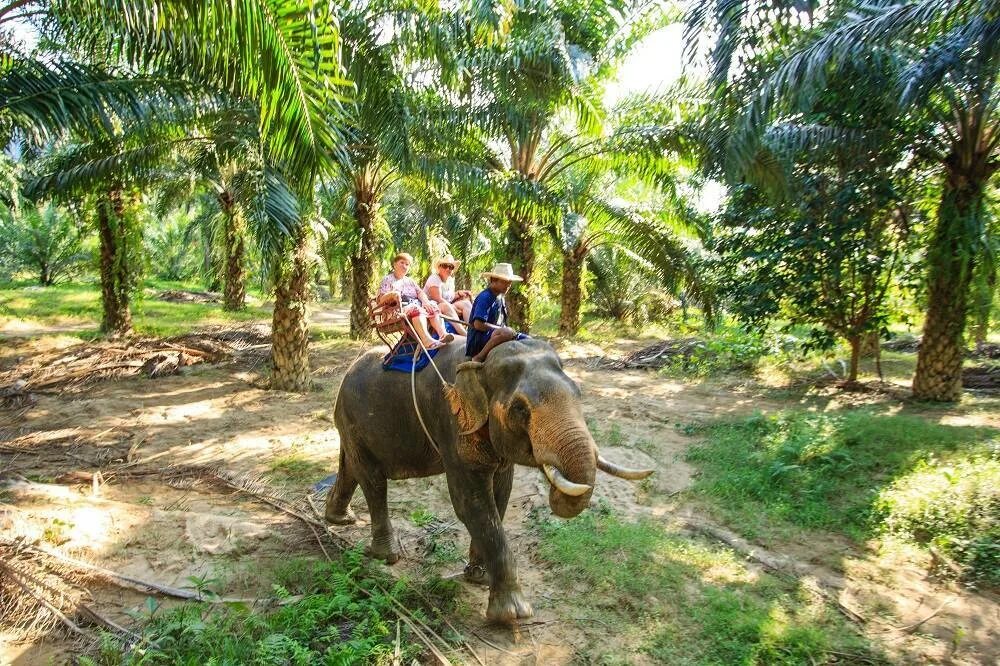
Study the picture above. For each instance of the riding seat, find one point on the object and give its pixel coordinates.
(389, 324)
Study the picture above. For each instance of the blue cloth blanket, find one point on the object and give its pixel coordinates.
(402, 360)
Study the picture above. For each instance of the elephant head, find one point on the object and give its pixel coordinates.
(521, 405)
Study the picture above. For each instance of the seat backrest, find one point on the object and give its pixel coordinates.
(385, 315)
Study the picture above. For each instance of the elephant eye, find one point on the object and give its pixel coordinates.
(519, 408)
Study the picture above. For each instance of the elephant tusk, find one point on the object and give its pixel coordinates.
(621, 472)
(563, 484)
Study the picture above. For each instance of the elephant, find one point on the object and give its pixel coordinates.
(517, 407)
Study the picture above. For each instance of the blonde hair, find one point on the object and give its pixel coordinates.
(402, 255)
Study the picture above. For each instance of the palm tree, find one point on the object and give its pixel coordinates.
(518, 92)
(949, 53)
(593, 219)
(282, 57)
(225, 166)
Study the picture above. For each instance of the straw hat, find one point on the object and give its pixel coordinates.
(504, 272)
(448, 259)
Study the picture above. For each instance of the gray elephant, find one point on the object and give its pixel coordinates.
(518, 407)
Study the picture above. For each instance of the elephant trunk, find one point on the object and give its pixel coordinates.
(570, 450)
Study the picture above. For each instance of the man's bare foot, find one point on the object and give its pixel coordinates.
(447, 338)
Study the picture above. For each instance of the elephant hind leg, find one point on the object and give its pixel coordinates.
(376, 490)
(338, 499)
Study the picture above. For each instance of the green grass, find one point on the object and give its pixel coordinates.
(684, 602)
(80, 305)
(858, 473)
(338, 612)
(296, 469)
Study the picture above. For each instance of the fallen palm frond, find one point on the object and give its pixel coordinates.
(78, 367)
(982, 377)
(654, 356)
(180, 296)
(40, 592)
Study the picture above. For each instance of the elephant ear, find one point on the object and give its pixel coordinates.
(468, 398)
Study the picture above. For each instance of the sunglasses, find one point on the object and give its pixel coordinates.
(450, 267)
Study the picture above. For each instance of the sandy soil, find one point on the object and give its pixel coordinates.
(219, 416)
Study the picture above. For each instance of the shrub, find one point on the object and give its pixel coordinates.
(339, 612)
(829, 471)
(731, 350)
(953, 507)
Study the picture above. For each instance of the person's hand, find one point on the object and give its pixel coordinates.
(463, 294)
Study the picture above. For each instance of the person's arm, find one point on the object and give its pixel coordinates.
(434, 292)
(422, 296)
(480, 325)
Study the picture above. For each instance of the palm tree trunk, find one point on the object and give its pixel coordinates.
(345, 284)
(331, 281)
(362, 271)
(290, 326)
(117, 273)
(572, 289)
(521, 252)
(951, 259)
(235, 287)
(982, 301)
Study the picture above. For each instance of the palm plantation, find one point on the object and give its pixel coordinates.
(751, 276)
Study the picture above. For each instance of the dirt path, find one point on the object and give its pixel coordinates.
(180, 532)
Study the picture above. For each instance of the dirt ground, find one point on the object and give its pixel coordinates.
(171, 531)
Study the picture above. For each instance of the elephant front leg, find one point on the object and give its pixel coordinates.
(475, 506)
(475, 572)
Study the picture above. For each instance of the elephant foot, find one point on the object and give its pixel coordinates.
(506, 607)
(387, 555)
(476, 574)
(345, 518)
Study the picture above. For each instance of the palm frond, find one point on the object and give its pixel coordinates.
(283, 54)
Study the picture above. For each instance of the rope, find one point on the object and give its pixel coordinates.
(413, 380)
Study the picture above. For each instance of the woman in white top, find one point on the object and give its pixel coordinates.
(440, 288)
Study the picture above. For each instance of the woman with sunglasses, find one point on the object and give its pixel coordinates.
(398, 288)
(440, 288)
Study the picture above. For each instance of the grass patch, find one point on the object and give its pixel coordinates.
(686, 603)
(858, 473)
(295, 469)
(80, 304)
(324, 619)
(422, 516)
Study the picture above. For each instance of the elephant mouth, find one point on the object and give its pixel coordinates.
(568, 498)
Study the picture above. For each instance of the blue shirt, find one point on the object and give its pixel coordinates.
(487, 307)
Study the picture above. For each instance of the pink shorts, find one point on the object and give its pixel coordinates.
(414, 310)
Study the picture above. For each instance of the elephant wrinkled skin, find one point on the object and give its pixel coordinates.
(518, 407)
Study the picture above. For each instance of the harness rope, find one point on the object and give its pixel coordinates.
(413, 377)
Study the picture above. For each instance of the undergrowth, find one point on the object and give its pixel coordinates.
(339, 612)
(861, 474)
(684, 602)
